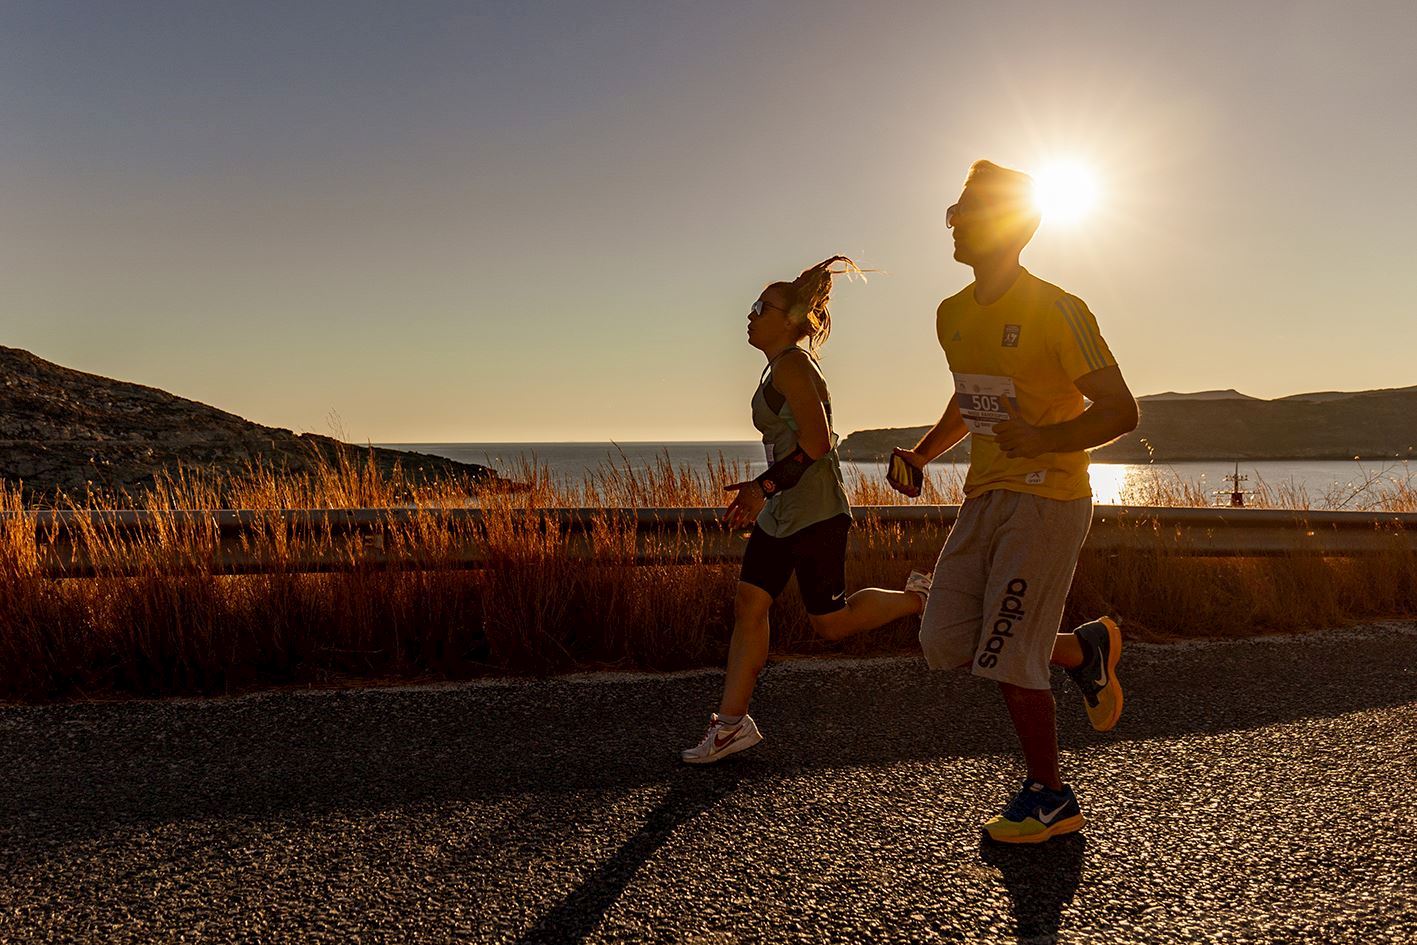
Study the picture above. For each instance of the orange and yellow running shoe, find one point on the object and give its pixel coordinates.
(1101, 642)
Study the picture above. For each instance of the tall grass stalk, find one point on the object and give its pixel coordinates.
(170, 624)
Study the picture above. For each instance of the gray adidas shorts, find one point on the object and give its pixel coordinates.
(996, 603)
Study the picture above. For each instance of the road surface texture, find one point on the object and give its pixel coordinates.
(1255, 791)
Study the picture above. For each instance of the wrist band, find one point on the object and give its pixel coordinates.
(785, 473)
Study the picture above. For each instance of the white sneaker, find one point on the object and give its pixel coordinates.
(722, 740)
(919, 583)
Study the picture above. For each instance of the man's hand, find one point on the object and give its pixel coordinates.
(914, 459)
(746, 505)
(1017, 437)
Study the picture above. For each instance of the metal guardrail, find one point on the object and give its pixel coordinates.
(256, 542)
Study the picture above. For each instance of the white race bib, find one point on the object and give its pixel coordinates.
(980, 398)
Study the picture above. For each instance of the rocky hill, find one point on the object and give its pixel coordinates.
(62, 429)
(1228, 394)
(1177, 428)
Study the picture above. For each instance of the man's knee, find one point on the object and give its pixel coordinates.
(944, 647)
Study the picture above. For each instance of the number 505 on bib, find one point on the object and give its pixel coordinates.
(981, 400)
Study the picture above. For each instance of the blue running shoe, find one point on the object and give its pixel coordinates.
(1037, 813)
(1101, 643)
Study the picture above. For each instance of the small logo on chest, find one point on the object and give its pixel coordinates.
(957, 337)
(1010, 336)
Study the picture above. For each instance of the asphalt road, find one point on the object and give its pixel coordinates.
(1259, 791)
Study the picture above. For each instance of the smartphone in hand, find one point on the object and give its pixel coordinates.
(905, 475)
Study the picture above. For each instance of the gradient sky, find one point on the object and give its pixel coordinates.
(545, 221)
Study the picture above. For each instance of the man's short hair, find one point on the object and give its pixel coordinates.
(1002, 183)
(1008, 192)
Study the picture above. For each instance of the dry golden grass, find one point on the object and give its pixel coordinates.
(170, 625)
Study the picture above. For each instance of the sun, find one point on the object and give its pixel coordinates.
(1065, 191)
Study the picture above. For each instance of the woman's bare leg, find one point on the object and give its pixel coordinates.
(867, 609)
(748, 650)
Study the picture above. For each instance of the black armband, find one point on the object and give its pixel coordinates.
(785, 473)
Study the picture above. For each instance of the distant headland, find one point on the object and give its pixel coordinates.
(64, 430)
(1224, 425)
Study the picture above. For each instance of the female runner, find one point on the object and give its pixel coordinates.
(798, 506)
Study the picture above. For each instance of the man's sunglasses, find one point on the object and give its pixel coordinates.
(954, 212)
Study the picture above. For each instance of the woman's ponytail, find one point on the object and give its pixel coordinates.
(812, 293)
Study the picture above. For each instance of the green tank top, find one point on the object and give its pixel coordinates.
(820, 494)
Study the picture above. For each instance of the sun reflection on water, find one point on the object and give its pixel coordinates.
(1109, 482)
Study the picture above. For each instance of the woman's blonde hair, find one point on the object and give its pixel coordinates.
(809, 294)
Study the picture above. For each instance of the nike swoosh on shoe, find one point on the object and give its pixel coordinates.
(720, 745)
(1046, 819)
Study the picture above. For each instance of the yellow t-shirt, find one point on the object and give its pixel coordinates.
(1030, 346)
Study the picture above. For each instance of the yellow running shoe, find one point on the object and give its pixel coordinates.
(1037, 813)
(1101, 642)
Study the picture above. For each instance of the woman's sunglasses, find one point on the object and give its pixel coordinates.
(757, 307)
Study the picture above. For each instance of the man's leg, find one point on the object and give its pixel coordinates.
(1034, 714)
(1067, 651)
(1034, 553)
(1034, 718)
(954, 612)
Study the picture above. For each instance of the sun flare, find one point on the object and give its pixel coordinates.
(1065, 191)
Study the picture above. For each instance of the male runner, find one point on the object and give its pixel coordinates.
(1024, 355)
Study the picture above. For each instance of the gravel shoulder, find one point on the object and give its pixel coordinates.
(1259, 790)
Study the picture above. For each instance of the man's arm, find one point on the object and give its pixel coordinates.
(948, 431)
(1113, 412)
(942, 436)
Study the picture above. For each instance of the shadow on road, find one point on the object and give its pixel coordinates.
(574, 918)
(85, 769)
(1041, 879)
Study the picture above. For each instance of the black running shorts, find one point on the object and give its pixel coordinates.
(817, 553)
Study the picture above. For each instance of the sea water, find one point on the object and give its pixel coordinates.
(1335, 484)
